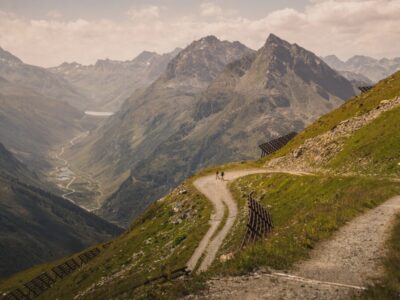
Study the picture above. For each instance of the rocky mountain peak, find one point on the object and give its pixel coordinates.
(274, 40)
(210, 39)
(145, 56)
(334, 62)
(201, 61)
(279, 61)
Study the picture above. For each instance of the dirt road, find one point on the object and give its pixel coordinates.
(337, 268)
(218, 193)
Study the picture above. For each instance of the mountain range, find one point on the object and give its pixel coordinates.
(41, 80)
(214, 103)
(364, 67)
(108, 83)
(176, 113)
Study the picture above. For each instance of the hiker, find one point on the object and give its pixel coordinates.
(217, 175)
(222, 175)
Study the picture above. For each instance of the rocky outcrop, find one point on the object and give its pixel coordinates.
(315, 153)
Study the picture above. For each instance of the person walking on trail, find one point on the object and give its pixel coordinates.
(222, 175)
(217, 175)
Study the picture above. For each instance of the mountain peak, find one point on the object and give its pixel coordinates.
(333, 57)
(209, 39)
(145, 56)
(334, 62)
(275, 40)
(278, 59)
(202, 60)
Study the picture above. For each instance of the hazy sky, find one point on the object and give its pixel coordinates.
(49, 32)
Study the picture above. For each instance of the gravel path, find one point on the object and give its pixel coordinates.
(337, 268)
(218, 193)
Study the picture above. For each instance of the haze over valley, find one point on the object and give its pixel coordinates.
(209, 139)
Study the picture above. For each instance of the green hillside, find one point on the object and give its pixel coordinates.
(373, 149)
(37, 226)
(388, 88)
(305, 210)
(160, 241)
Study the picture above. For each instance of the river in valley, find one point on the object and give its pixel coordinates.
(78, 187)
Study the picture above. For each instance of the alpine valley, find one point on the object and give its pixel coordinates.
(142, 179)
(214, 102)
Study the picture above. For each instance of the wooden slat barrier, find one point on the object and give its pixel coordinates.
(259, 223)
(17, 294)
(44, 281)
(276, 144)
(163, 278)
(365, 89)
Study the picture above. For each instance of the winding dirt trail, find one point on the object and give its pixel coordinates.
(65, 164)
(218, 193)
(338, 268)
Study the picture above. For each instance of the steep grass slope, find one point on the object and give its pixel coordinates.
(37, 226)
(162, 240)
(385, 89)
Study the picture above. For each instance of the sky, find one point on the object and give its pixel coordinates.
(50, 32)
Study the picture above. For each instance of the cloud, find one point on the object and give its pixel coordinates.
(144, 13)
(210, 9)
(342, 27)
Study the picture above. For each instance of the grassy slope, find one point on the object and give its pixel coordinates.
(37, 226)
(374, 149)
(305, 209)
(385, 89)
(302, 206)
(153, 245)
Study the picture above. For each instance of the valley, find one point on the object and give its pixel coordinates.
(327, 223)
(259, 168)
(79, 187)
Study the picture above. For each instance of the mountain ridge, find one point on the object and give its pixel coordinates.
(372, 68)
(32, 124)
(218, 118)
(109, 82)
(40, 80)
